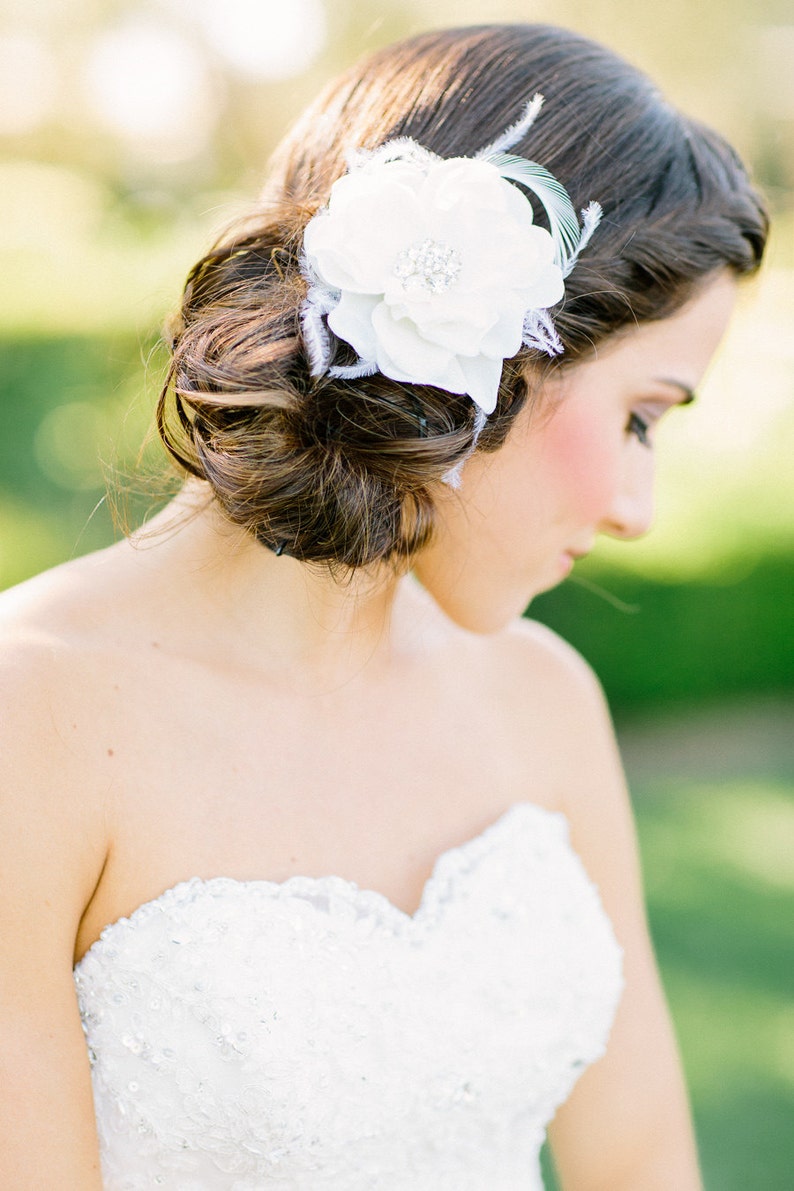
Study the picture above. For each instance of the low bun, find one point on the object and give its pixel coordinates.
(327, 471)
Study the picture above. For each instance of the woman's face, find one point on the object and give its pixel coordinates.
(581, 464)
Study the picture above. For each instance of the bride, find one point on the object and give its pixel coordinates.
(318, 869)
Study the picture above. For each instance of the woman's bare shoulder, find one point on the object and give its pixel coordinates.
(59, 604)
(520, 658)
(52, 791)
(54, 638)
(537, 646)
(543, 674)
(552, 705)
(40, 622)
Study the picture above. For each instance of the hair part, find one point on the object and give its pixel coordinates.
(343, 472)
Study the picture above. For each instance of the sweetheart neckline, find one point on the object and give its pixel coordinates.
(349, 887)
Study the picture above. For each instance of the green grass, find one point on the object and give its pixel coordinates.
(720, 886)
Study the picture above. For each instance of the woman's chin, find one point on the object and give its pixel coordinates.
(486, 614)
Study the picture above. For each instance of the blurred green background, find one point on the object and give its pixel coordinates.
(130, 132)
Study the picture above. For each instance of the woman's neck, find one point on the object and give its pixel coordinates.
(242, 601)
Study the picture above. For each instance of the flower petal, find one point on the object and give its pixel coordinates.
(482, 377)
(505, 337)
(351, 321)
(547, 288)
(408, 354)
(353, 243)
(459, 327)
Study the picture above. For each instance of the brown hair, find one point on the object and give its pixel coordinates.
(343, 472)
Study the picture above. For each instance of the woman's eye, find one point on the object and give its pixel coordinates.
(639, 427)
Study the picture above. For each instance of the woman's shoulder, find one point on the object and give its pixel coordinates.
(536, 646)
(540, 671)
(52, 792)
(55, 633)
(524, 682)
(63, 623)
(39, 631)
(546, 700)
(58, 603)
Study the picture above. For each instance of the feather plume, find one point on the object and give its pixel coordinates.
(353, 371)
(453, 477)
(591, 217)
(540, 333)
(512, 135)
(315, 337)
(563, 224)
(400, 149)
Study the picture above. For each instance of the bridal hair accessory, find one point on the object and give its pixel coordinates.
(433, 270)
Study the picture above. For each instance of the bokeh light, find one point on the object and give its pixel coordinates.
(148, 84)
(70, 442)
(264, 39)
(28, 82)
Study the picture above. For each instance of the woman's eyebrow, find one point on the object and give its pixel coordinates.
(688, 394)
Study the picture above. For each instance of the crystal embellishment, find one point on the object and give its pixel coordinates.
(431, 265)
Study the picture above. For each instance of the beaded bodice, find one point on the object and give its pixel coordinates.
(310, 1036)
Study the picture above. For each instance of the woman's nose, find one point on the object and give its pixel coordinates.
(631, 512)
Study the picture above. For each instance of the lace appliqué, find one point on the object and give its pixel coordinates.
(310, 1036)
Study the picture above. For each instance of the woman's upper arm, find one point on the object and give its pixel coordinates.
(51, 853)
(627, 1123)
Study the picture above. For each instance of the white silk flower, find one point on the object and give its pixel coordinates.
(432, 267)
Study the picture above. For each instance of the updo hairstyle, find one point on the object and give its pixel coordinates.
(342, 472)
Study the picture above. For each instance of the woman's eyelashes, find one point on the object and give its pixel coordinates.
(640, 428)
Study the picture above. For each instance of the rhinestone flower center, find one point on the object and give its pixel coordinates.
(430, 265)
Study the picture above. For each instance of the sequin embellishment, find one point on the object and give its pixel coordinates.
(430, 265)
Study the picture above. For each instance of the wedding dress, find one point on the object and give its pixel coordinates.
(310, 1036)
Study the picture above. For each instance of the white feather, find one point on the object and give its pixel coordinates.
(315, 337)
(563, 224)
(401, 149)
(353, 371)
(591, 217)
(512, 135)
(540, 333)
(453, 477)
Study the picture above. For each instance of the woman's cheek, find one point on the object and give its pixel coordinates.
(581, 460)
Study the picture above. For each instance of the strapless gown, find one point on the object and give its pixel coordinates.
(310, 1036)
